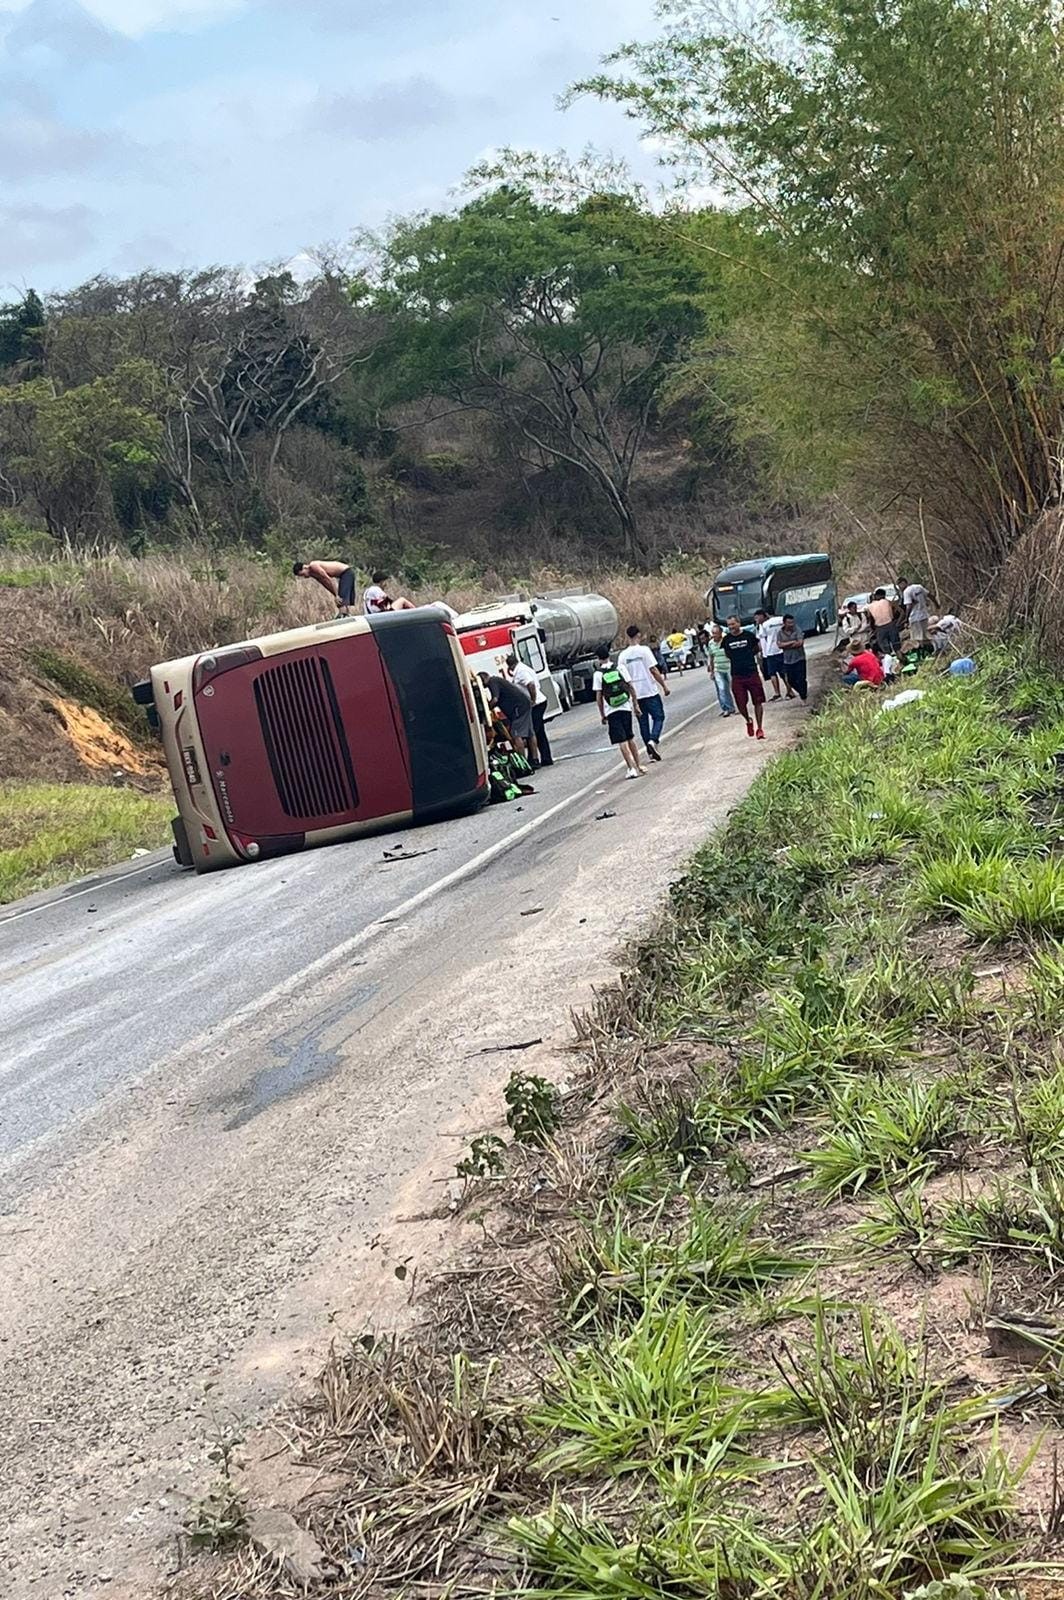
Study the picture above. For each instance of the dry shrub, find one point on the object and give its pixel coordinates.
(1031, 586)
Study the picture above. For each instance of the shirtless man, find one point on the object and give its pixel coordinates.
(335, 576)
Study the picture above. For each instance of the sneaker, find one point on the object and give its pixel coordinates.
(750, 730)
(760, 733)
(632, 774)
(653, 752)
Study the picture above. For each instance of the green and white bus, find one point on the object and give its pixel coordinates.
(801, 585)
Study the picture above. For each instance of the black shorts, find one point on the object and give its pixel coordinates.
(772, 666)
(345, 585)
(620, 726)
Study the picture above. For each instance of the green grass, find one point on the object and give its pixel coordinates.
(53, 832)
(882, 1130)
(651, 1395)
(711, 1256)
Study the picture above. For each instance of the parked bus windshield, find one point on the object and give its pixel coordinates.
(802, 585)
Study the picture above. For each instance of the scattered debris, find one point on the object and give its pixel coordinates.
(532, 911)
(602, 815)
(408, 855)
(279, 1535)
(784, 1175)
(497, 1049)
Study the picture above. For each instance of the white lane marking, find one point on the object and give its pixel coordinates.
(93, 888)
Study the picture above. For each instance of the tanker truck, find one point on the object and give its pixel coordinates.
(558, 635)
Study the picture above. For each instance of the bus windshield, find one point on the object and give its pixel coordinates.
(737, 599)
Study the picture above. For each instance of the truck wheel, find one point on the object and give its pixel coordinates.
(181, 847)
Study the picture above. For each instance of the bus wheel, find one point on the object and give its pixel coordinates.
(181, 847)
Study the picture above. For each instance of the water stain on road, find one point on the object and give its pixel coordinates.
(302, 1059)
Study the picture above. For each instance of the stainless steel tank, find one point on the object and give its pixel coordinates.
(574, 626)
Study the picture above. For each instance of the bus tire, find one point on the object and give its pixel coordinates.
(181, 847)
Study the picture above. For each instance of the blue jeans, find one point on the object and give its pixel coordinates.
(651, 718)
(722, 683)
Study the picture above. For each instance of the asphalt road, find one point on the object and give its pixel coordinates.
(218, 1094)
(108, 978)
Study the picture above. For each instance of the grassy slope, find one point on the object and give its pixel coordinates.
(52, 832)
(726, 1336)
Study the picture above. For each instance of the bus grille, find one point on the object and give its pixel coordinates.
(304, 739)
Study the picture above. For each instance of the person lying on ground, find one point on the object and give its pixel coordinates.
(618, 706)
(334, 576)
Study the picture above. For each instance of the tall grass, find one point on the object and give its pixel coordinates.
(129, 611)
(53, 832)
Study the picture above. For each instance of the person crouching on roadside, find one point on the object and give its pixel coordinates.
(619, 708)
(863, 668)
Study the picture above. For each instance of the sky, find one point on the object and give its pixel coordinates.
(182, 133)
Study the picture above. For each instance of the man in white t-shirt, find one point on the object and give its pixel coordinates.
(375, 600)
(917, 602)
(768, 637)
(527, 678)
(637, 666)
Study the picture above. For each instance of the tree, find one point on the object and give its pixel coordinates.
(21, 334)
(560, 323)
(899, 168)
(72, 450)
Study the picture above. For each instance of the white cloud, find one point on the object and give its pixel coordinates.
(35, 145)
(135, 18)
(36, 235)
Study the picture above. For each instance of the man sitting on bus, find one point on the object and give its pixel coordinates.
(335, 576)
(374, 599)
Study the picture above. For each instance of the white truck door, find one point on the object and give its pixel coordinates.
(528, 647)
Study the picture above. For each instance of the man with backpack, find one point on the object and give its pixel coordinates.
(616, 699)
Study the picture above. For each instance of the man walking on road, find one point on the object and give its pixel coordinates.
(637, 666)
(527, 678)
(617, 706)
(742, 649)
(334, 576)
(768, 631)
(719, 670)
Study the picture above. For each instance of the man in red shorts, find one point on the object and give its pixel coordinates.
(742, 650)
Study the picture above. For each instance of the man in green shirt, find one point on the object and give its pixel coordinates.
(719, 669)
